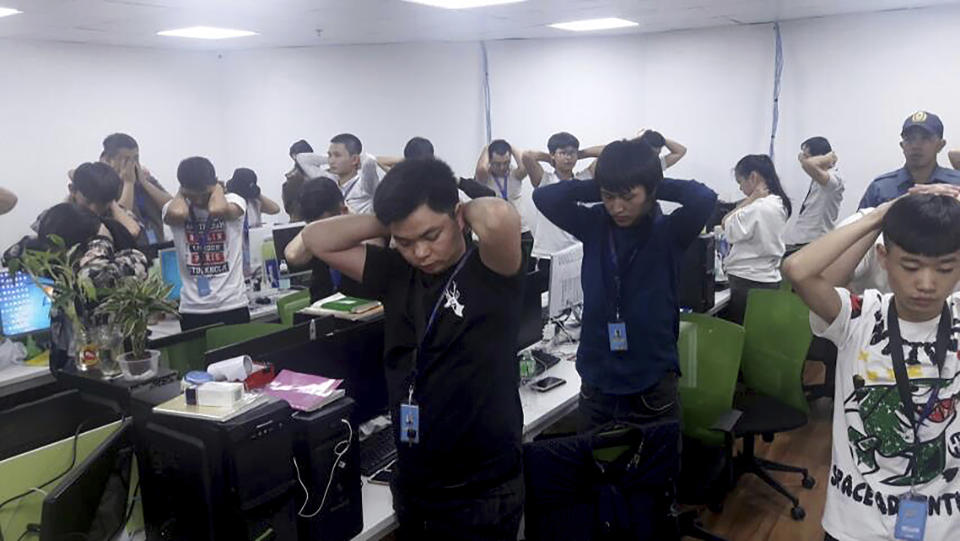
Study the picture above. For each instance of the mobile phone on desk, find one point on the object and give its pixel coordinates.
(547, 383)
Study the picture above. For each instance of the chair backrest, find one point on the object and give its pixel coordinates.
(709, 374)
(290, 308)
(227, 335)
(777, 326)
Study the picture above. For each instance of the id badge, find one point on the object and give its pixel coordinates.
(911, 518)
(409, 423)
(203, 286)
(618, 336)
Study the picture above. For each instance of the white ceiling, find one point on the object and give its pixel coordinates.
(297, 23)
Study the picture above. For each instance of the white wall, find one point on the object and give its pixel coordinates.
(854, 79)
(59, 101)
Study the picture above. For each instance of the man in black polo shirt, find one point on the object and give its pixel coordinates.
(457, 415)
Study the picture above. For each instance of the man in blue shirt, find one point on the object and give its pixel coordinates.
(922, 140)
(628, 343)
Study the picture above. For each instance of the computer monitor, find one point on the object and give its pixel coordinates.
(566, 291)
(282, 235)
(531, 310)
(24, 306)
(170, 271)
(91, 501)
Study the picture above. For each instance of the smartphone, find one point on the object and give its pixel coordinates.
(547, 383)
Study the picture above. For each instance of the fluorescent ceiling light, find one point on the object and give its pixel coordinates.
(587, 25)
(206, 32)
(6, 12)
(463, 4)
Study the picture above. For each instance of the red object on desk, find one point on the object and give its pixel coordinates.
(260, 378)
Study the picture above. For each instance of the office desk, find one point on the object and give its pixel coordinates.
(720, 300)
(258, 312)
(18, 377)
(540, 410)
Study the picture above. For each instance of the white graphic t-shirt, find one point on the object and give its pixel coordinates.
(875, 460)
(212, 248)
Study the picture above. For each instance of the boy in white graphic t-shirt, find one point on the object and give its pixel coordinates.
(207, 230)
(896, 439)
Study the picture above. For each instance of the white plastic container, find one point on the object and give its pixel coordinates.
(138, 369)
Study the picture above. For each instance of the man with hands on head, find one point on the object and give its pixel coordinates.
(452, 374)
(141, 194)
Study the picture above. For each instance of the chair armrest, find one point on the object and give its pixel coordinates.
(727, 421)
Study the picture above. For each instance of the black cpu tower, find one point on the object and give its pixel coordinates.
(696, 275)
(231, 481)
(319, 437)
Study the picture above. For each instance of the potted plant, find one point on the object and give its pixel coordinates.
(129, 306)
(70, 293)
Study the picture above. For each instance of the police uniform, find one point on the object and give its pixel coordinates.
(896, 183)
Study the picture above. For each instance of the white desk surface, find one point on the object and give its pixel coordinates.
(18, 373)
(169, 327)
(720, 300)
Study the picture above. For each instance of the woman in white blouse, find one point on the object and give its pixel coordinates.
(754, 230)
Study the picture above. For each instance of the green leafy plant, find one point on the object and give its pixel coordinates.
(131, 304)
(70, 293)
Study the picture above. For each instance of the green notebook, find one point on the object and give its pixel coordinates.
(351, 305)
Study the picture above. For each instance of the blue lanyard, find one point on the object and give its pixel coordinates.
(617, 272)
(350, 188)
(503, 187)
(433, 317)
(335, 278)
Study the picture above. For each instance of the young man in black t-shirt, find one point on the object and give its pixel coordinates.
(456, 410)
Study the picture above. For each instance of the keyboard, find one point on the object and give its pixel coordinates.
(377, 451)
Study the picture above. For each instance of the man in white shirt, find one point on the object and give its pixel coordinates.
(207, 227)
(895, 456)
(818, 214)
(563, 153)
(495, 170)
(345, 162)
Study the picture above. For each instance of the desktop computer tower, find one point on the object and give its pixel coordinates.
(320, 436)
(696, 275)
(231, 481)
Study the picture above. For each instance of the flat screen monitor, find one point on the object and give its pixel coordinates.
(170, 271)
(566, 290)
(91, 501)
(531, 310)
(24, 305)
(282, 235)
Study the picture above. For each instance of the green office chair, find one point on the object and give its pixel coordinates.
(288, 310)
(777, 337)
(183, 351)
(228, 335)
(283, 304)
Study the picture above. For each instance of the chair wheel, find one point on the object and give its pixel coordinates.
(797, 513)
(809, 482)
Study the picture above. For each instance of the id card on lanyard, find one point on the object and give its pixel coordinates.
(203, 281)
(913, 507)
(617, 329)
(410, 412)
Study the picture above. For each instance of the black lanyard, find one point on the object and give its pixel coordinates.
(617, 271)
(422, 336)
(900, 368)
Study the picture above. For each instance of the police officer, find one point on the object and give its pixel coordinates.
(921, 141)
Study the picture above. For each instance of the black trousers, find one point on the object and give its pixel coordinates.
(739, 288)
(660, 402)
(490, 514)
(230, 317)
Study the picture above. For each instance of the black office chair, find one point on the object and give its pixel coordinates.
(613, 483)
(823, 351)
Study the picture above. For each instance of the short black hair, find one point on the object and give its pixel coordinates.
(653, 138)
(498, 146)
(196, 173)
(72, 223)
(244, 183)
(115, 142)
(923, 224)
(562, 140)
(817, 146)
(763, 166)
(319, 196)
(412, 183)
(418, 147)
(623, 165)
(97, 182)
(300, 147)
(351, 141)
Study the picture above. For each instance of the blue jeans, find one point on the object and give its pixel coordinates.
(659, 402)
(490, 514)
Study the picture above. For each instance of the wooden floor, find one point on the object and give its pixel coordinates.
(754, 511)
